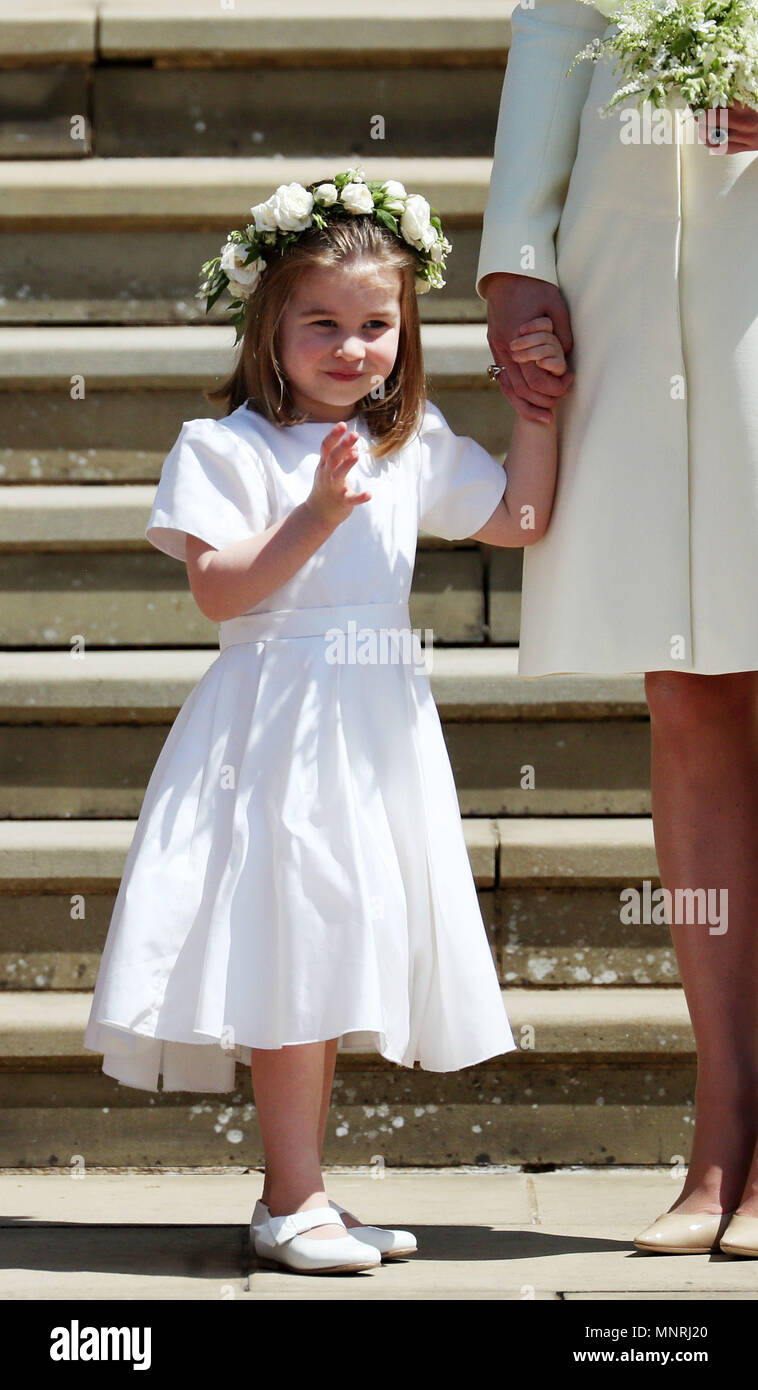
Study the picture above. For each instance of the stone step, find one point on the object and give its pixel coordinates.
(199, 77)
(470, 684)
(601, 1077)
(592, 851)
(549, 891)
(125, 599)
(273, 31)
(74, 560)
(93, 405)
(47, 51)
(139, 230)
(40, 1027)
(174, 358)
(65, 721)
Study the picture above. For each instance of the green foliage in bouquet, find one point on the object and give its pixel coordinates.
(705, 49)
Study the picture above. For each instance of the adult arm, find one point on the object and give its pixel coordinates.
(535, 147)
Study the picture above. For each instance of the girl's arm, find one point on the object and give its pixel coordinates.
(227, 582)
(522, 515)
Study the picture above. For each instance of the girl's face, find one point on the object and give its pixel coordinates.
(339, 337)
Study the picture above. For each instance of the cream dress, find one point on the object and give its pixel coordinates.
(650, 561)
(298, 870)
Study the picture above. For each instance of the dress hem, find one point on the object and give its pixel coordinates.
(113, 1062)
(719, 670)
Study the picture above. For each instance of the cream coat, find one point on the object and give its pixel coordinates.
(651, 558)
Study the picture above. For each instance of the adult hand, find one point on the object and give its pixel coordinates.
(513, 300)
(741, 128)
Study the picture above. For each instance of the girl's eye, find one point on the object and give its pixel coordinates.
(329, 323)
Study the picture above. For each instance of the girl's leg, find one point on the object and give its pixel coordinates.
(288, 1085)
(704, 784)
(330, 1062)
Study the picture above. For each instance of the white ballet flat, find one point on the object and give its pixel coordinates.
(281, 1240)
(391, 1244)
(260, 1214)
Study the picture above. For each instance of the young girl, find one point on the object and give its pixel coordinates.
(298, 876)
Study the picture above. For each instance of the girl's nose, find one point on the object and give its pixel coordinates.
(351, 347)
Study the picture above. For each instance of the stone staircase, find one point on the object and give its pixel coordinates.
(132, 136)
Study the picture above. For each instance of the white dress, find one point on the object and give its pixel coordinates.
(298, 870)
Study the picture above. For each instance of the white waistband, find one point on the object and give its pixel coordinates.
(310, 622)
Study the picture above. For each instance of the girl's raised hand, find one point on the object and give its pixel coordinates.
(537, 343)
(331, 498)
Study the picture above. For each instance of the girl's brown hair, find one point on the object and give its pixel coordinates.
(392, 418)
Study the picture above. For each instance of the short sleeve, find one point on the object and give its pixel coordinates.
(460, 484)
(212, 485)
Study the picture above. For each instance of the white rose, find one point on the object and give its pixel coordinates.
(326, 193)
(415, 224)
(292, 205)
(238, 291)
(263, 217)
(436, 252)
(233, 254)
(357, 197)
(242, 278)
(395, 195)
(422, 284)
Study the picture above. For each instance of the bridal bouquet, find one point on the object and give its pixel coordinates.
(706, 49)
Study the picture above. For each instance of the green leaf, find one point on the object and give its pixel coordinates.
(387, 220)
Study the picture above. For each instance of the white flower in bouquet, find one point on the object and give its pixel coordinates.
(705, 50)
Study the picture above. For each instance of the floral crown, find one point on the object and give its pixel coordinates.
(292, 209)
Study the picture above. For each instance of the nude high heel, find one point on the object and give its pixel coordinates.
(741, 1236)
(685, 1233)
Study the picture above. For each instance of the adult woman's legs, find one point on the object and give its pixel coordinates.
(288, 1085)
(704, 784)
